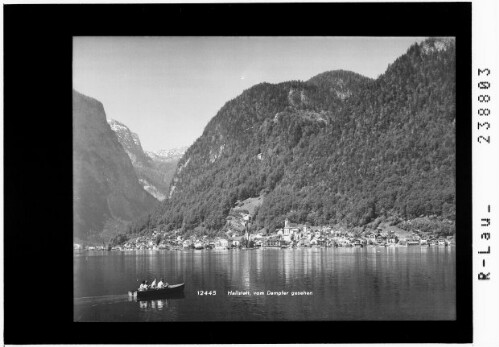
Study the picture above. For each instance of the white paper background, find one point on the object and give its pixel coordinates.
(485, 175)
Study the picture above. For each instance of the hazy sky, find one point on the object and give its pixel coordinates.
(166, 89)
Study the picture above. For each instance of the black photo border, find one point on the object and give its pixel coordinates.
(38, 161)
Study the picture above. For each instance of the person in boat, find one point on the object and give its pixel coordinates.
(142, 286)
(153, 284)
(162, 284)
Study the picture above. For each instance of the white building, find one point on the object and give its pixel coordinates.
(291, 229)
(221, 244)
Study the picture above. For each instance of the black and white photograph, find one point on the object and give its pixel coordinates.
(264, 178)
(227, 173)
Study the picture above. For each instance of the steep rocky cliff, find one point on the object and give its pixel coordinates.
(106, 191)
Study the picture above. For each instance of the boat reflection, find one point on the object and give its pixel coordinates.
(157, 304)
(153, 304)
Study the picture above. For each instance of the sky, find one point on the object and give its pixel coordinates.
(166, 89)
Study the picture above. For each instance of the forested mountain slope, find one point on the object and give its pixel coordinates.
(338, 148)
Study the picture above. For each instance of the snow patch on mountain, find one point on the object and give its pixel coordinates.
(152, 189)
(172, 189)
(136, 139)
(166, 155)
(117, 126)
(183, 166)
(215, 154)
(132, 157)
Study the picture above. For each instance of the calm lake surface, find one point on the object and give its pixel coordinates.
(371, 283)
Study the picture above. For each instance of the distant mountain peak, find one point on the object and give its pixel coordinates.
(130, 142)
(154, 173)
(117, 126)
(167, 154)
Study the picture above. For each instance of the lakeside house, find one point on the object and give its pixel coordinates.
(272, 242)
(392, 240)
(358, 242)
(237, 241)
(221, 244)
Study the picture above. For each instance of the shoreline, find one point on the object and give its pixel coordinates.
(259, 248)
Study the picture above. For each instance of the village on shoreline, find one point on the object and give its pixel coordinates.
(291, 236)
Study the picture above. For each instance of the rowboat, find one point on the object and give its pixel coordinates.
(171, 290)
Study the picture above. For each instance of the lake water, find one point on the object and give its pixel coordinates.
(371, 283)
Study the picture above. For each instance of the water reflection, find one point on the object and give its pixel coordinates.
(153, 304)
(370, 283)
(156, 304)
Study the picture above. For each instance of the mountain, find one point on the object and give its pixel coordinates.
(106, 191)
(154, 169)
(339, 148)
(167, 155)
(131, 143)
